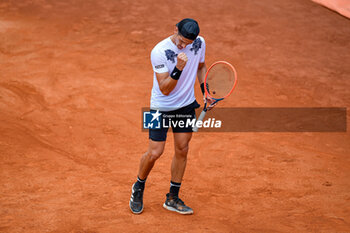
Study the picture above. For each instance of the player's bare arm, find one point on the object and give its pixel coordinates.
(167, 82)
(202, 70)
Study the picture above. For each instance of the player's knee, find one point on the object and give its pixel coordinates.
(182, 150)
(155, 154)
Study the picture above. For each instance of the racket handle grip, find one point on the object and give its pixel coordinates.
(200, 118)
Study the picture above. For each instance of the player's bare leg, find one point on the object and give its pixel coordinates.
(178, 166)
(148, 159)
(155, 150)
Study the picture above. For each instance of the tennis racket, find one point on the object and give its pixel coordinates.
(220, 81)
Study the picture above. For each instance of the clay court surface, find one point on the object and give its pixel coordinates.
(74, 76)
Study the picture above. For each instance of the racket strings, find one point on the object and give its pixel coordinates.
(220, 80)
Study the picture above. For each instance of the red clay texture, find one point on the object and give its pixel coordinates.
(74, 76)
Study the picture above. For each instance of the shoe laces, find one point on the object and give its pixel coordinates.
(177, 200)
(138, 194)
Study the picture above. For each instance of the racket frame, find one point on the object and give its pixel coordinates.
(202, 115)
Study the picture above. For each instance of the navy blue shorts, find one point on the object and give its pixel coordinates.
(173, 119)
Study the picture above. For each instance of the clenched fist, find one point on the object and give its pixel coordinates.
(181, 61)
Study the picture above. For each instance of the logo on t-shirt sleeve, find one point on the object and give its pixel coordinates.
(196, 45)
(170, 55)
(159, 66)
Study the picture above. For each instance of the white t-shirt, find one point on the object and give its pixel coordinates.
(164, 59)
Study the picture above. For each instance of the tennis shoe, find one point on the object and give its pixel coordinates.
(174, 203)
(136, 200)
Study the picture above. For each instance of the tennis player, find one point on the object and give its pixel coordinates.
(176, 61)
